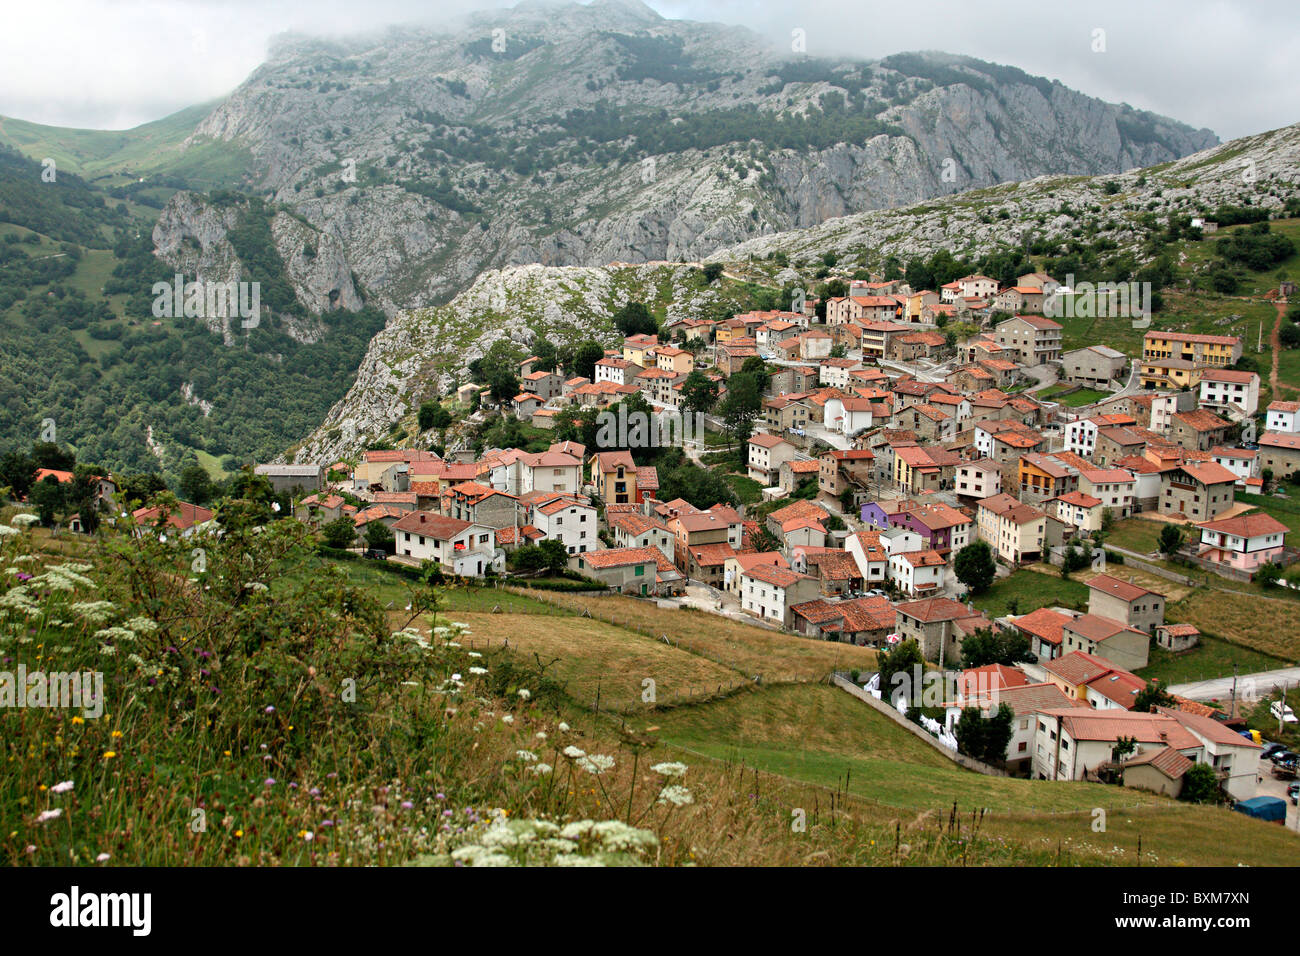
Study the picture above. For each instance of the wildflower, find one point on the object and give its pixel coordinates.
(507, 719)
(269, 709)
(50, 815)
(573, 753)
(596, 764)
(670, 769)
(93, 611)
(269, 782)
(541, 735)
(564, 728)
(110, 754)
(526, 755)
(677, 796)
(24, 520)
(478, 670)
(103, 858)
(61, 787)
(524, 693)
(540, 769)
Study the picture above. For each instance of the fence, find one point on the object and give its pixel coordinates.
(969, 763)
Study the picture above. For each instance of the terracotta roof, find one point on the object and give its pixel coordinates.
(621, 557)
(1126, 591)
(1247, 526)
(1208, 472)
(1096, 628)
(1108, 725)
(433, 525)
(1227, 375)
(799, 509)
(378, 511)
(183, 516)
(817, 612)
(1044, 623)
(1201, 420)
(1165, 759)
(779, 577)
(1280, 440)
(928, 610)
(711, 555)
(634, 523)
(1078, 667)
(1118, 686)
(1208, 727)
(764, 440)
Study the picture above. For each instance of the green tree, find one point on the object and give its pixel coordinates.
(975, 567)
(699, 392)
(340, 533)
(18, 472)
(546, 356)
(635, 319)
(379, 537)
(1201, 785)
(196, 484)
(1289, 335)
(1151, 697)
(554, 556)
(712, 272)
(51, 456)
(985, 738)
(740, 407)
(47, 496)
(137, 490)
(1268, 574)
(585, 358)
(987, 646)
(1171, 538)
(902, 660)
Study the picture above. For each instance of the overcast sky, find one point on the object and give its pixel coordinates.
(1230, 66)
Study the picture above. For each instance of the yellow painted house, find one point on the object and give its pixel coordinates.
(1170, 374)
(1216, 351)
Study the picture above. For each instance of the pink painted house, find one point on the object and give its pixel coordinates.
(1244, 542)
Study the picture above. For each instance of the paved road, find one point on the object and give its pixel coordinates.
(1249, 686)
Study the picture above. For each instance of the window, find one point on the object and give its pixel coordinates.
(640, 570)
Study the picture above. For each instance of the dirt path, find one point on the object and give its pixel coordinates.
(1275, 340)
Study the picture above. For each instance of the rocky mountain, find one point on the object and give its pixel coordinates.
(425, 350)
(568, 134)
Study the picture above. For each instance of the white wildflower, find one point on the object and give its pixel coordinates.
(677, 796)
(670, 769)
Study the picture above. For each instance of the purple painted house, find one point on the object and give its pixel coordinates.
(941, 527)
(875, 516)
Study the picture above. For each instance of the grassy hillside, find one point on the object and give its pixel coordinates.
(115, 157)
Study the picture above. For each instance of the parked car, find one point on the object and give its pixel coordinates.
(1284, 756)
(376, 553)
(1293, 791)
(1270, 749)
(1282, 712)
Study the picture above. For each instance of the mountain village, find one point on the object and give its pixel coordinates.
(887, 453)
